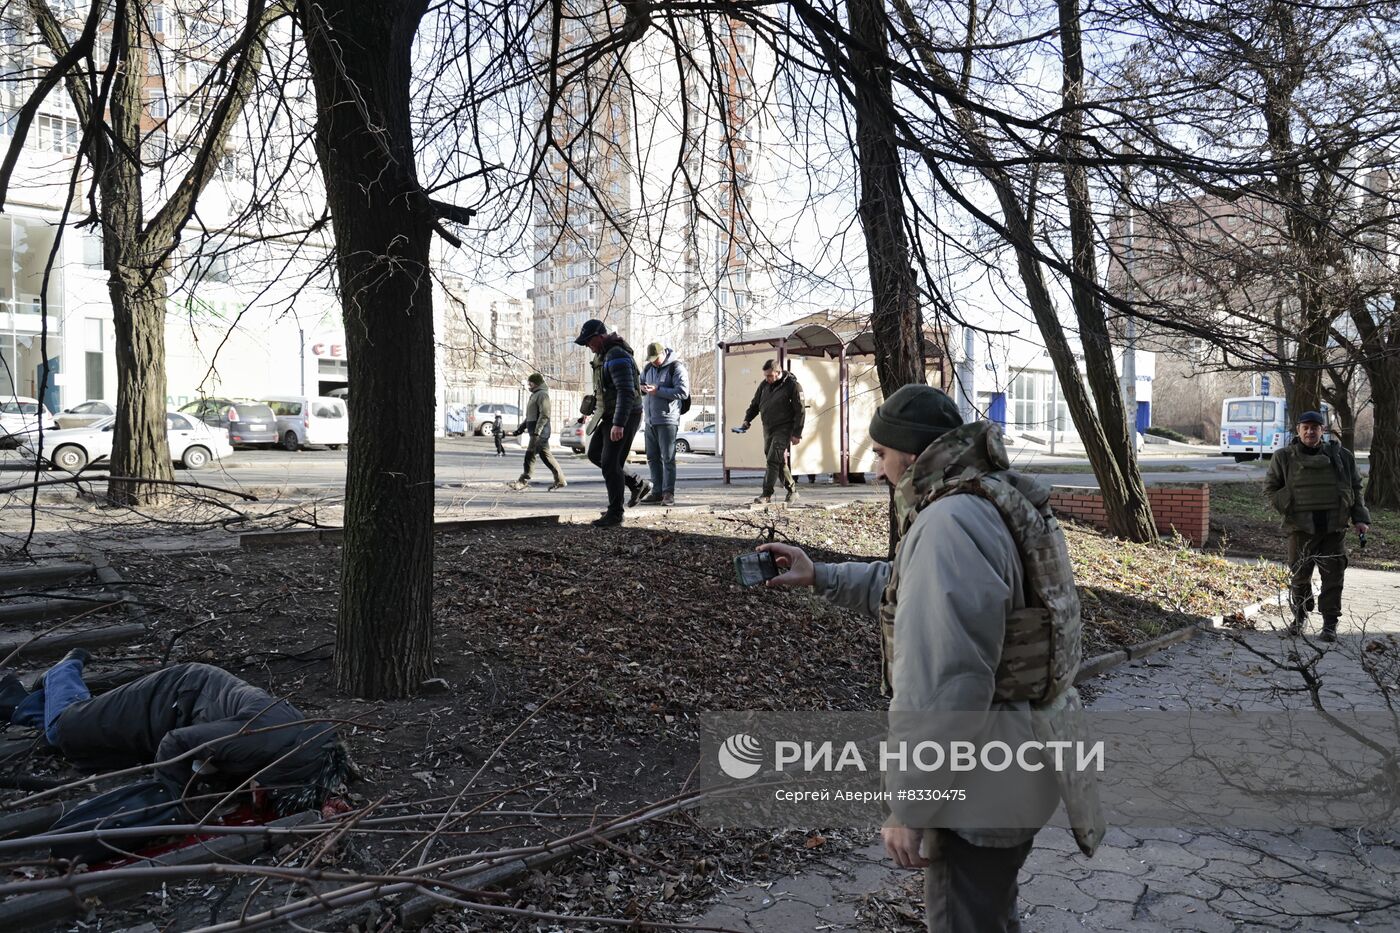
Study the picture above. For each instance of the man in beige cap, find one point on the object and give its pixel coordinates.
(665, 397)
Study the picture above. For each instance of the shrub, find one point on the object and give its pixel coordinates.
(1169, 434)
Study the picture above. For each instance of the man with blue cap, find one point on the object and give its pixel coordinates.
(1314, 484)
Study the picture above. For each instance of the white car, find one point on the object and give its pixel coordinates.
(20, 417)
(306, 420)
(700, 440)
(84, 414)
(193, 444)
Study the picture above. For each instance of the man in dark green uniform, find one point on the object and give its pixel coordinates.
(537, 423)
(1315, 486)
(779, 402)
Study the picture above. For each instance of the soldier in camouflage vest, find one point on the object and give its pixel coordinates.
(978, 612)
(1314, 484)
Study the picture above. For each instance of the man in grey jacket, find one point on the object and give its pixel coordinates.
(665, 388)
(944, 603)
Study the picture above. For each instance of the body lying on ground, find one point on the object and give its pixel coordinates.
(196, 723)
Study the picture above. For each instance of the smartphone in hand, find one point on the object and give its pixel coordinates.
(755, 568)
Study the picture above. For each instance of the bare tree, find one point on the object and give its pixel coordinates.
(110, 97)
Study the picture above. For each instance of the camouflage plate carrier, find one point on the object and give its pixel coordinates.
(1041, 651)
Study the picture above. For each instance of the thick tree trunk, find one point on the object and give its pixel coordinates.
(895, 319)
(140, 446)
(1383, 485)
(1118, 431)
(360, 53)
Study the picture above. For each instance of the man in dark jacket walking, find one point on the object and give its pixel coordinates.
(666, 386)
(537, 424)
(779, 401)
(617, 395)
(1315, 486)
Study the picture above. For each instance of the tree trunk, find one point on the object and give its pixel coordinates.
(360, 52)
(140, 446)
(1336, 392)
(1113, 416)
(1383, 485)
(895, 318)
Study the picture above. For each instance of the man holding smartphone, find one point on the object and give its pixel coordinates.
(665, 390)
(950, 604)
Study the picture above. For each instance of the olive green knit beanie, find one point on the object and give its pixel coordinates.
(914, 417)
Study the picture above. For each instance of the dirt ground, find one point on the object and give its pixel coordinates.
(599, 647)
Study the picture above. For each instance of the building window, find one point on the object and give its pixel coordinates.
(94, 358)
(92, 250)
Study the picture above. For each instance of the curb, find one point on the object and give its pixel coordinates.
(1108, 661)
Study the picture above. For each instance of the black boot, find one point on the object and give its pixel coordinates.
(1329, 628)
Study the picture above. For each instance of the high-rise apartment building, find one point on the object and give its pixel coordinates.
(620, 233)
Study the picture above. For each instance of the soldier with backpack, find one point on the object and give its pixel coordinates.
(978, 613)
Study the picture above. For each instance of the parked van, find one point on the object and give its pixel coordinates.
(315, 420)
(1253, 427)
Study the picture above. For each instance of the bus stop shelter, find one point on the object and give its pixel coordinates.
(840, 390)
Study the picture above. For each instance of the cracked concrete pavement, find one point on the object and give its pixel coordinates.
(1167, 878)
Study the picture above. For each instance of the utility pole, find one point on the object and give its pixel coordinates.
(1128, 371)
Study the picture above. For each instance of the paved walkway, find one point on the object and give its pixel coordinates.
(1166, 878)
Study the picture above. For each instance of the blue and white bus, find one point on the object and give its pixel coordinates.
(1253, 427)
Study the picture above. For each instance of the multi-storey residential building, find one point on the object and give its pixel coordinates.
(620, 235)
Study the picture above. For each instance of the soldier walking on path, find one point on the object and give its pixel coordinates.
(778, 400)
(1314, 484)
(537, 424)
(617, 413)
(978, 613)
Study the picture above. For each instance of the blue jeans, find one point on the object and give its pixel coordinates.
(61, 688)
(661, 457)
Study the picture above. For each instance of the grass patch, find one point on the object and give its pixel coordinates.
(1133, 592)
(1242, 522)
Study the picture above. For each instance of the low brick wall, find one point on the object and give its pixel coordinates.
(1183, 508)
